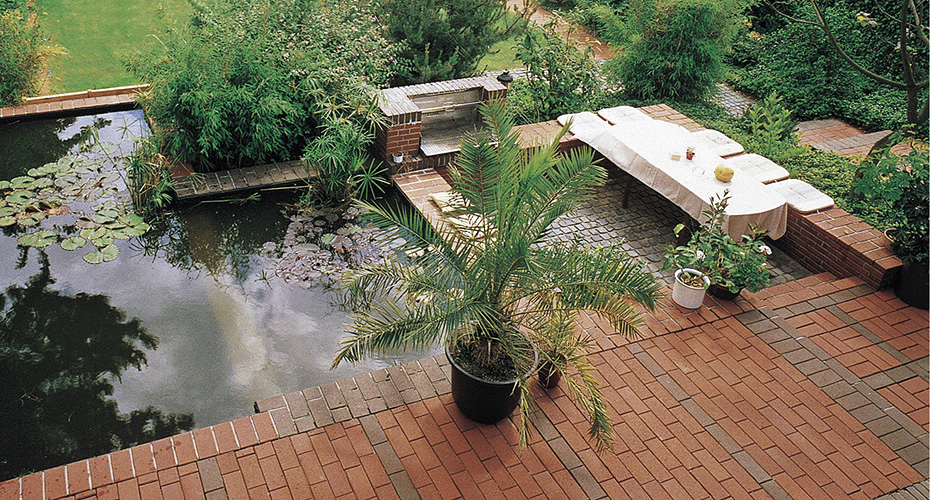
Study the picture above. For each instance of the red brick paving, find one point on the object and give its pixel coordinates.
(708, 410)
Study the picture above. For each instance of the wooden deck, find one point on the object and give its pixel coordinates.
(272, 175)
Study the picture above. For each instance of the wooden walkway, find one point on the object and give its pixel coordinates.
(272, 175)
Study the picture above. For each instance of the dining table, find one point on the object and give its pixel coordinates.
(654, 152)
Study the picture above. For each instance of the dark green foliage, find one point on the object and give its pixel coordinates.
(58, 357)
(772, 128)
(798, 61)
(562, 79)
(604, 19)
(677, 50)
(150, 181)
(898, 187)
(246, 82)
(440, 39)
(6, 5)
(21, 54)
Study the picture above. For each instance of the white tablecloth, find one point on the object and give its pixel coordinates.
(643, 148)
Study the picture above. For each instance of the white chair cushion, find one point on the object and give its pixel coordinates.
(759, 167)
(622, 114)
(584, 116)
(719, 143)
(801, 196)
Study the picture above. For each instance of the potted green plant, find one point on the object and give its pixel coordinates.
(489, 292)
(730, 266)
(898, 186)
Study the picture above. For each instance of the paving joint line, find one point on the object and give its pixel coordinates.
(894, 428)
(740, 455)
(362, 396)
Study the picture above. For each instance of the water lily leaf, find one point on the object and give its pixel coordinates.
(39, 239)
(27, 221)
(109, 252)
(7, 211)
(93, 233)
(94, 257)
(102, 218)
(103, 240)
(120, 234)
(114, 225)
(22, 182)
(73, 243)
(132, 231)
(41, 182)
(4, 184)
(7, 221)
(66, 181)
(34, 172)
(133, 219)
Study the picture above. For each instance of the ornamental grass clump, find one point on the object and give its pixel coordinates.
(727, 263)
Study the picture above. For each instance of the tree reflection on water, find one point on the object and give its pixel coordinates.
(58, 356)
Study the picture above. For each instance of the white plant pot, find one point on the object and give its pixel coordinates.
(688, 296)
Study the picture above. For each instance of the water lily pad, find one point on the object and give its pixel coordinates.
(27, 221)
(94, 257)
(39, 239)
(7, 221)
(132, 231)
(93, 233)
(22, 182)
(133, 219)
(103, 240)
(109, 252)
(73, 243)
(7, 211)
(41, 182)
(102, 218)
(4, 184)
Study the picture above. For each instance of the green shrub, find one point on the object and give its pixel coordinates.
(898, 186)
(677, 54)
(797, 60)
(6, 5)
(602, 20)
(772, 129)
(561, 79)
(247, 81)
(21, 52)
(440, 39)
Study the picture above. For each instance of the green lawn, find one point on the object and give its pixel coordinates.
(97, 35)
(502, 53)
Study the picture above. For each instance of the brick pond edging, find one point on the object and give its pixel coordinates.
(113, 98)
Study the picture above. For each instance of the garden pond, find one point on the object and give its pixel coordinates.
(114, 331)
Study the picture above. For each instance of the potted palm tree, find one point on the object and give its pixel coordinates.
(486, 284)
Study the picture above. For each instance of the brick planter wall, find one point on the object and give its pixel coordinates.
(74, 102)
(840, 243)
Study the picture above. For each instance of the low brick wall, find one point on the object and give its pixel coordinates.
(840, 243)
(62, 104)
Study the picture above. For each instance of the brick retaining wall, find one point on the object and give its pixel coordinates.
(838, 242)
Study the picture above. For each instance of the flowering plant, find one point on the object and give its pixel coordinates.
(727, 263)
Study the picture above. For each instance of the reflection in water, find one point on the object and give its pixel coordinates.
(37, 142)
(58, 355)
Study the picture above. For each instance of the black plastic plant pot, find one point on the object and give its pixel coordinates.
(722, 292)
(914, 286)
(484, 401)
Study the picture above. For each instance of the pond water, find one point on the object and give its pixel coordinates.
(205, 284)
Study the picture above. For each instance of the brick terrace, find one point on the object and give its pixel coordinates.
(814, 388)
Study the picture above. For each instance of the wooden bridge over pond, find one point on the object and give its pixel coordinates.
(190, 186)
